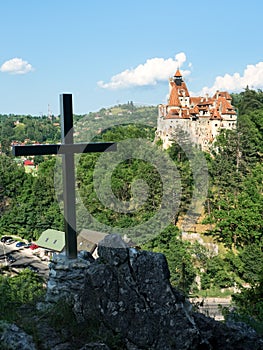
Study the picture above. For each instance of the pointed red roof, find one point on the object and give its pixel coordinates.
(215, 114)
(224, 94)
(174, 98)
(178, 73)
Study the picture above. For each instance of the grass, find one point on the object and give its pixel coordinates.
(214, 293)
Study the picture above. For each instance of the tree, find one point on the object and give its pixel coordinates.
(179, 257)
(25, 288)
(33, 207)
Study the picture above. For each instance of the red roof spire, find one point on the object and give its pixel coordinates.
(177, 73)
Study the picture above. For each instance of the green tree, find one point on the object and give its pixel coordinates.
(179, 257)
(25, 288)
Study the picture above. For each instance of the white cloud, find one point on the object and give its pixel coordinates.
(16, 66)
(149, 73)
(252, 77)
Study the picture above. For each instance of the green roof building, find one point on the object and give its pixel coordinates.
(52, 240)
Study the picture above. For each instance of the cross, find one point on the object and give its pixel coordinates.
(67, 148)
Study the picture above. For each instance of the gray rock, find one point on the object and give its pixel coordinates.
(14, 338)
(130, 293)
(95, 346)
(126, 297)
(113, 249)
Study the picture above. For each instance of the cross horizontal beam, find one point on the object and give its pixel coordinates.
(38, 150)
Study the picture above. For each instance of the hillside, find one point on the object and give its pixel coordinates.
(231, 213)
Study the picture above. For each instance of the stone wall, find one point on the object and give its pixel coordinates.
(66, 276)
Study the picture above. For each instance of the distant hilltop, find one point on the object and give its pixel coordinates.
(200, 117)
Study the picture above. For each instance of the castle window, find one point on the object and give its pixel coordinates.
(215, 124)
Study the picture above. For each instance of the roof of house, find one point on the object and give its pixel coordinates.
(224, 94)
(174, 98)
(88, 239)
(215, 114)
(28, 162)
(52, 239)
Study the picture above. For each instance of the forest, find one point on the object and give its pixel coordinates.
(232, 212)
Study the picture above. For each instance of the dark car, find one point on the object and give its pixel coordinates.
(10, 258)
(5, 238)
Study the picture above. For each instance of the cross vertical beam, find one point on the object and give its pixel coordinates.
(67, 149)
(66, 119)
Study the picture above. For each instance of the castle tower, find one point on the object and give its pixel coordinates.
(201, 118)
(179, 95)
(177, 78)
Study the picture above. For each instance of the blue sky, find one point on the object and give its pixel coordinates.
(109, 52)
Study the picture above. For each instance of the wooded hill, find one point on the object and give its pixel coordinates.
(233, 208)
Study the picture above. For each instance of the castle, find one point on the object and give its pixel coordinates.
(200, 117)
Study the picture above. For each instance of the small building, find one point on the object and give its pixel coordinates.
(29, 166)
(53, 241)
(88, 240)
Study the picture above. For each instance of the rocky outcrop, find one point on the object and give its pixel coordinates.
(13, 338)
(128, 292)
(66, 277)
(125, 301)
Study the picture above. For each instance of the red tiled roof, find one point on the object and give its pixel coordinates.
(215, 114)
(174, 98)
(206, 102)
(224, 106)
(177, 73)
(28, 162)
(223, 94)
(194, 110)
(185, 113)
(212, 107)
(174, 111)
(195, 100)
(182, 113)
(183, 90)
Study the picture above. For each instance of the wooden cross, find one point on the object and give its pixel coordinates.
(67, 148)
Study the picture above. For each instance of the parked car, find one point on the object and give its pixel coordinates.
(27, 245)
(9, 241)
(5, 238)
(33, 246)
(20, 244)
(10, 258)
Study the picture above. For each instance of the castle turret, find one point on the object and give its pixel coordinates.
(179, 95)
(177, 78)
